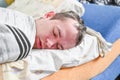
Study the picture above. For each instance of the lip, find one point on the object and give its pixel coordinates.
(39, 45)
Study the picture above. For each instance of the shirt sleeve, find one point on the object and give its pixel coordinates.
(14, 45)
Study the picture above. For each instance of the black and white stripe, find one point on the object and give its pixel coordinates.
(22, 40)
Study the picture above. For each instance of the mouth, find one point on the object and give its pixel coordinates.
(38, 43)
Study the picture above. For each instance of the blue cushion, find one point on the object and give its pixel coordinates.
(106, 20)
(111, 72)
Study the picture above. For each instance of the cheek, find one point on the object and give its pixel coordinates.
(47, 36)
(45, 33)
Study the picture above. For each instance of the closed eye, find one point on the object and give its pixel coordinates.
(56, 32)
(59, 46)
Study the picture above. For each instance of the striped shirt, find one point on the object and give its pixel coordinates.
(17, 34)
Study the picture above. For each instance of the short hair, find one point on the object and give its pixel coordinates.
(80, 27)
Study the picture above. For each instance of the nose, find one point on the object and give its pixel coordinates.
(51, 43)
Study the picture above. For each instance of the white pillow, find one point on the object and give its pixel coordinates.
(37, 8)
(41, 63)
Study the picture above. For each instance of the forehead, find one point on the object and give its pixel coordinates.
(69, 24)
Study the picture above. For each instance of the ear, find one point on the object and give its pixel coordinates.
(49, 14)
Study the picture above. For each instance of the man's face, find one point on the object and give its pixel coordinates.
(55, 34)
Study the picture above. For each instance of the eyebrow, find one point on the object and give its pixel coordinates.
(59, 32)
(62, 47)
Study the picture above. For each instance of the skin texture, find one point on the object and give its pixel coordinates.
(55, 34)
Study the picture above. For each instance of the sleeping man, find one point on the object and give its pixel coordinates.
(20, 33)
